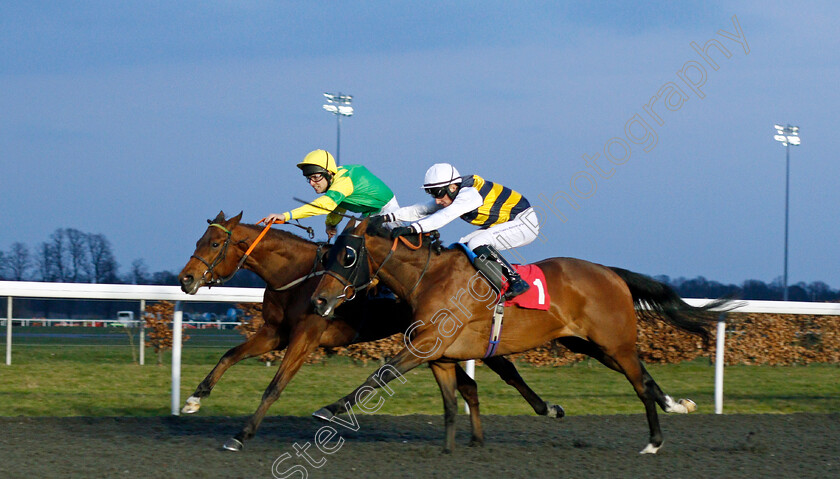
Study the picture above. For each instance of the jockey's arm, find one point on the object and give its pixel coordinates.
(467, 200)
(408, 214)
(322, 205)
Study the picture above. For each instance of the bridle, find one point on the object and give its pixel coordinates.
(352, 279)
(210, 281)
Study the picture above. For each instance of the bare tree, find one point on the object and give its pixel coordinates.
(76, 242)
(17, 262)
(139, 272)
(57, 257)
(3, 266)
(65, 258)
(102, 267)
(47, 270)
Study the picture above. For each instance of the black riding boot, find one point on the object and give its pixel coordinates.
(516, 285)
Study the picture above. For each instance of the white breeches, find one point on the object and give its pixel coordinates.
(515, 233)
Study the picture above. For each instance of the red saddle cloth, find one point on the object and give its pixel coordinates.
(537, 296)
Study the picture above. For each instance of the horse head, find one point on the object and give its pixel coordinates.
(359, 258)
(347, 270)
(214, 261)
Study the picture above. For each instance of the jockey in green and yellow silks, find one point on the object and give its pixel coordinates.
(345, 188)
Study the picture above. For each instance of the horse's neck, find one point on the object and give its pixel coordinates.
(406, 268)
(279, 260)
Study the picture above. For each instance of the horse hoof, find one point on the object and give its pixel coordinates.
(555, 411)
(323, 414)
(233, 444)
(476, 443)
(689, 405)
(192, 406)
(650, 449)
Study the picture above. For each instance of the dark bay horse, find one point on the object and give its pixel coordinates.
(593, 311)
(280, 258)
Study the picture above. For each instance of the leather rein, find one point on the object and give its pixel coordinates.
(219, 280)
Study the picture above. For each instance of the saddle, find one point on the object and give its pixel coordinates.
(536, 297)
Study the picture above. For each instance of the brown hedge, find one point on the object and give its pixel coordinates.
(771, 339)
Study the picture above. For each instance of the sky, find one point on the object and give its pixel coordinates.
(140, 120)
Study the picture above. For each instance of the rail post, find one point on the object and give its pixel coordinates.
(8, 331)
(721, 340)
(177, 321)
(471, 373)
(142, 325)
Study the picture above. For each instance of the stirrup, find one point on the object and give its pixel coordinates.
(516, 286)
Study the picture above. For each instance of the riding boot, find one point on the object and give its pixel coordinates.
(516, 285)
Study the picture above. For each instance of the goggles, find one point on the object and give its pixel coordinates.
(438, 192)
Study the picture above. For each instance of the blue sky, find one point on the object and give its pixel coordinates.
(139, 120)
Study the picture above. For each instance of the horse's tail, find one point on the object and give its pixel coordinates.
(654, 299)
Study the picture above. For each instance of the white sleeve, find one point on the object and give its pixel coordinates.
(467, 200)
(415, 212)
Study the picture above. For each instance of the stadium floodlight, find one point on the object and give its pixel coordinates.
(787, 136)
(338, 105)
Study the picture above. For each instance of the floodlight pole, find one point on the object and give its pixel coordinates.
(787, 135)
(338, 140)
(787, 201)
(338, 105)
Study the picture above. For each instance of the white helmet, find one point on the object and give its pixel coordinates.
(441, 174)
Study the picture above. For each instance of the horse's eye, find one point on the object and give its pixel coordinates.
(349, 257)
(215, 245)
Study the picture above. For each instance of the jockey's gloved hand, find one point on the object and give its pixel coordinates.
(402, 231)
(376, 222)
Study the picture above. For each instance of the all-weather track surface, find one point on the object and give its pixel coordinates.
(696, 446)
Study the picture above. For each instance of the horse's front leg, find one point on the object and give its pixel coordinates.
(395, 368)
(469, 391)
(266, 339)
(445, 376)
(304, 340)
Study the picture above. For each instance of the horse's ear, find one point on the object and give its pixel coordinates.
(350, 225)
(219, 217)
(235, 220)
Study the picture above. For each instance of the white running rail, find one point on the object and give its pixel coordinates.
(24, 289)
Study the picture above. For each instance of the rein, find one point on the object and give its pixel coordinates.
(221, 257)
(312, 274)
(408, 244)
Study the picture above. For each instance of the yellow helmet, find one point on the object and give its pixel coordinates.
(318, 161)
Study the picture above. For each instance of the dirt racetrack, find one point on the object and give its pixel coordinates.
(696, 446)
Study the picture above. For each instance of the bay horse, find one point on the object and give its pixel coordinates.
(280, 258)
(593, 310)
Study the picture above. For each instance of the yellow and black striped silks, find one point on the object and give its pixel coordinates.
(501, 204)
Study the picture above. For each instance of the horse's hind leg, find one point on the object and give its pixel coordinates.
(628, 362)
(666, 402)
(264, 340)
(623, 358)
(445, 376)
(507, 371)
(469, 391)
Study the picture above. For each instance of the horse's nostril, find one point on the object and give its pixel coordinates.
(188, 279)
